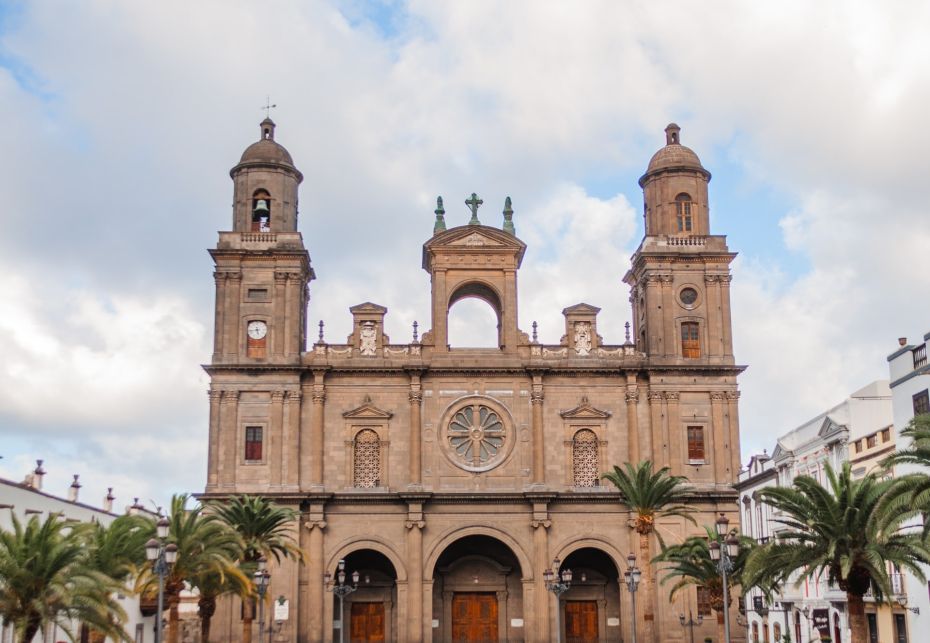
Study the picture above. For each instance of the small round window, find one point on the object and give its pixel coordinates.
(688, 296)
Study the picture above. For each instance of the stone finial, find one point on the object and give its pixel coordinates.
(508, 217)
(535, 336)
(672, 134)
(321, 332)
(626, 328)
(74, 489)
(38, 474)
(108, 500)
(267, 126)
(416, 337)
(473, 204)
(440, 225)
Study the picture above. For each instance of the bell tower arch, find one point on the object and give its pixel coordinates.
(473, 261)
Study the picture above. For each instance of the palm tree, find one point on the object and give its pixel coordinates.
(265, 530)
(650, 494)
(690, 564)
(45, 579)
(205, 544)
(912, 492)
(211, 586)
(840, 530)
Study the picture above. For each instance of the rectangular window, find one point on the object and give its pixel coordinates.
(872, 620)
(253, 443)
(258, 294)
(900, 628)
(858, 446)
(920, 356)
(696, 443)
(886, 435)
(703, 601)
(922, 402)
(690, 344)
(871, 441)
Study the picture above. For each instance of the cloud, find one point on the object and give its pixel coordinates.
(118, 146)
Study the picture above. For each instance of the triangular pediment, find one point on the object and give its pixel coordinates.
(367, 307)
(585, 411)
(582, 308)
(779, 451)
(472, 239)
(367, 411)
(829, 427)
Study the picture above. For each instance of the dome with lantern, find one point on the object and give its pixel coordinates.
(267, 150)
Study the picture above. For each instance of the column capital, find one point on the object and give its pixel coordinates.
(315, 524)
(545, 524)
(280, 277)
(717, 396)
(214, 394)
(656, 396)
(277, 396)
(419, 524)
(230, 396)
(672, 396)
(318, 396)
(415, 397)
(733, 395)
(293, 396)
(631, 395)
(537, 397)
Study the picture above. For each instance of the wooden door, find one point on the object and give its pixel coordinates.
(366, 622)
(581, 621)
(474, 617)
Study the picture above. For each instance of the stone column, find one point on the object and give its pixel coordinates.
(725, 323)
(214, 445)
(673, 417)
(733, 423)
(315, 611)
(229, 438)
(668, 315)
(632, 418)
(416, 431)
(656, 345)
(278, 322)
(541, 561)
(508, 333)
(415, 575)
(316, 430)
(721, 452)
(232, 328)
(276, 439)
(291, 463)
(712, 303)
(539, 450)
(440, 311)
(655, 429)
(219, 325)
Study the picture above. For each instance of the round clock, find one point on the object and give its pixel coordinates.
(257, 329)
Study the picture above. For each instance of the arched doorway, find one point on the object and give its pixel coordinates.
(477, 592)
(590, 609)
(369, 612)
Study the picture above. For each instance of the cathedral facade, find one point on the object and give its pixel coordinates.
(452, 479)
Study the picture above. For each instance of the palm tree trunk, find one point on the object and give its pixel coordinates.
(721, 629)
(207, 605)
(648, 598)
(31, 629)
(857, 621)
(247, 617)
(173, 622)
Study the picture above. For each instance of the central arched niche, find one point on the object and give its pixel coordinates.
(478, 592)
(371, 611)
(474, 299)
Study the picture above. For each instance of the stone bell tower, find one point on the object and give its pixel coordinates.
(680, 275)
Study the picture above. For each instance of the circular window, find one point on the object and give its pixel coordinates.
(688, 296)
(476, 434)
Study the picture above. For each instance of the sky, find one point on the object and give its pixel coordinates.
(122, 120)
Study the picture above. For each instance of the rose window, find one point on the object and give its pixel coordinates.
(476, 436)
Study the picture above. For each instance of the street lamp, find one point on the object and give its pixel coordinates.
(558, 583)
(341, 589)
(162, 556)
(262, 578)
(632, 576)
(690, 623)
(724, 557)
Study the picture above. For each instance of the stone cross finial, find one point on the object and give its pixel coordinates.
(415, 334)
(626, 326)
(535, 337)
(268, 106)
(321, 331)
(473, 203)
(508, 217)
(440, 224)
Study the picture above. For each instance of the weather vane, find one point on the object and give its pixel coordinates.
(268, 106)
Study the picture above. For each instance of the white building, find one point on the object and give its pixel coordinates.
(910, 391)
(26, 499)
(859, 430)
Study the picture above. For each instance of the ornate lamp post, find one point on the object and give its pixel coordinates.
(262, 577)
(724, 556)
(341, 589)
(690, 623)
(162, 556)
(632, 576)
(558, 583)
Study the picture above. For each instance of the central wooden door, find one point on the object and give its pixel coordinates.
(581, 622)
(474, 617)
(366, 623)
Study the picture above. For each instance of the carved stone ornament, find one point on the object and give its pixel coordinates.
(368, 336)
(632, 396)
(419, 524)
(716, 396)
(545, 524)
(560, 352)
(583, 338)
(478, 434)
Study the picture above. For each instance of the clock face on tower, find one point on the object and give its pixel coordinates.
(257, 329)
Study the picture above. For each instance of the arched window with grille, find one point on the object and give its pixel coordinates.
(366, 459)
(683, 207)
(585, 469)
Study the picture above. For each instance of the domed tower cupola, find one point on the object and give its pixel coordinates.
(265, 186)
(675, 190)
